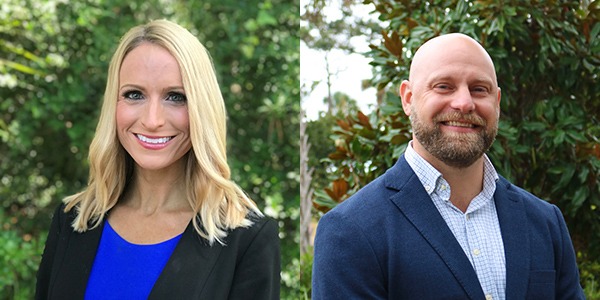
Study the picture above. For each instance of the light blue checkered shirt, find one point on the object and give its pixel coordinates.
(477, 230)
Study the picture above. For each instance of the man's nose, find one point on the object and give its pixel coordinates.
(463, 100)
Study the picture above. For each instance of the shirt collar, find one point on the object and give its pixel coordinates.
(430, 176)
(427, 174)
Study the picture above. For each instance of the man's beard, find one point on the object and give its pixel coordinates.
(455, 149)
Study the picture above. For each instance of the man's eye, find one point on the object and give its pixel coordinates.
(133, 95)
(479, 89)
(443, 87)
(176, 97)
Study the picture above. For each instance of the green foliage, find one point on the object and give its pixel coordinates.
(19, 260)
(319, 130)
(54, 60)
(546, 58)
(365, 146)
(589, 270)
(306, 263)
(323, 32)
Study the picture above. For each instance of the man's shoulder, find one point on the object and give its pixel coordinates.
(533, 204)
(366, 196)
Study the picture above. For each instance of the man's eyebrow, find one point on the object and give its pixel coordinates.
(437, 78)
(449, 78)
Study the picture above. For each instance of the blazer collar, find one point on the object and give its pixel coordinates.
(513, 227)
(414, 203)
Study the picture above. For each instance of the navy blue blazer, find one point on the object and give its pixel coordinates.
(388, 241)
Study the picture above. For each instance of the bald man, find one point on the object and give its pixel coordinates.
(441, 223)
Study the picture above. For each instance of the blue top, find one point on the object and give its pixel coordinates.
(123, 270)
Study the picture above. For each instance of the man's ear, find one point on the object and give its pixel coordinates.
(405, 92)
(498, 103)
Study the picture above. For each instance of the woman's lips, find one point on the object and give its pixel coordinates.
(152, 142)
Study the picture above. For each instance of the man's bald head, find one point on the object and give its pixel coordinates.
(445, 48)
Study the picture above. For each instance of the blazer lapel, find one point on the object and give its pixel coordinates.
(416, 205)
(188, 268)
(513, 227)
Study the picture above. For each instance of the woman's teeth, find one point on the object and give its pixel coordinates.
(146, 139)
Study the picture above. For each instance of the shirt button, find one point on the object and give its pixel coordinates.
(443, 187)
(428, 188)
(468, 216)
(476, 252)
(488, 297)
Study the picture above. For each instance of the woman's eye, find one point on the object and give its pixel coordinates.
(176, 97)
(133, 95)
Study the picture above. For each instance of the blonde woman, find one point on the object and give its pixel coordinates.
(160, 217)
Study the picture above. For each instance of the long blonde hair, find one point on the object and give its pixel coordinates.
(218, 203)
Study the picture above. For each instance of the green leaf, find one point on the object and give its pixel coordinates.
(20, 67)
(595, 33)
(577, 136)
(559, 137)
(264, 18)
(399, 150)
(579, 198)
(583, 174)
(534, 126)
(567, 174)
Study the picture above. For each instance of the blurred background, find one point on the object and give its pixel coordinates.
(54, 57)
(547, 56)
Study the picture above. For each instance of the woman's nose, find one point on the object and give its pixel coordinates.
(153, 116)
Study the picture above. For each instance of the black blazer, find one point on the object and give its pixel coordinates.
(247, 267)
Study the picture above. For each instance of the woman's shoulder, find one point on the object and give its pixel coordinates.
(260, 224)
(261, 228)
(258, 221)
(63, 217)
